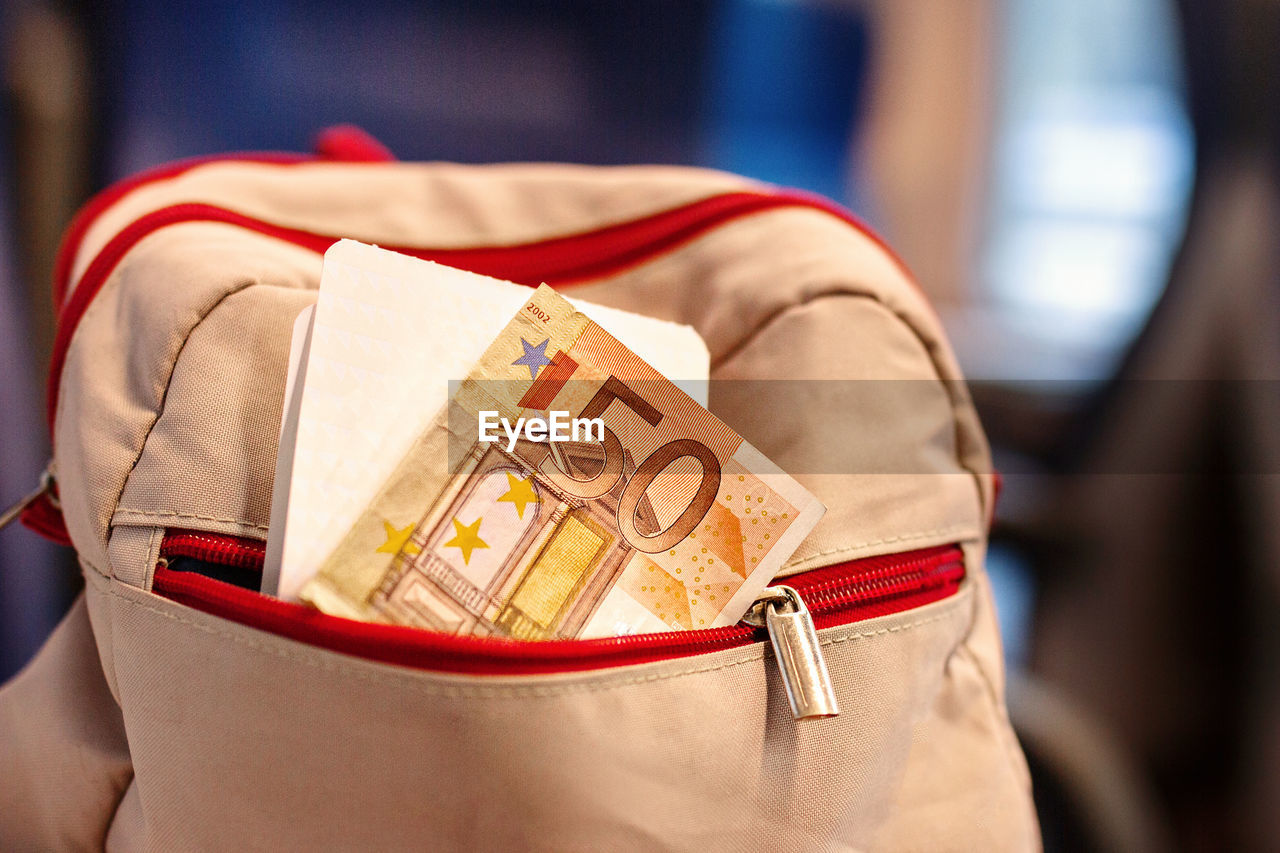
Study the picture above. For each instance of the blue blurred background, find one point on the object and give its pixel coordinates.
(1059, 262)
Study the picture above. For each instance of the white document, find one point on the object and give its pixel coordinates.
(373, 368)
(297, 377)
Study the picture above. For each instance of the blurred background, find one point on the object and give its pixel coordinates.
(1085, 188)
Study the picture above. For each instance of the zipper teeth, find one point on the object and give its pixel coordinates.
(884, 584)
(883, 578)
(237, 552)
(444, 652)
(878, 580)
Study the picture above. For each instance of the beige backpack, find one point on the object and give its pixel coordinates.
(176, 710)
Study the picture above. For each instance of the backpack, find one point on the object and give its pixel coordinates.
(172, 710)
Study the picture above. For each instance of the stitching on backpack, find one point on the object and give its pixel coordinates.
(505, 691)
(779, 312)
(92, 308)
(238, 286)
(95, 307)
(888, 540)
(1010, 749)
(157, 514)
(947, 386)
(154, 543)
(957, 400)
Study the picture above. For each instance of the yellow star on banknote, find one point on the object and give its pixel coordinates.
(466, 537)
(397, 539)
(520, 493)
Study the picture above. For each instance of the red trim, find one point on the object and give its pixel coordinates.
(351, 144)
(997, 489)
(557, 261)
(41, 516)
(342, 143)
(841, 594)
(98, 205)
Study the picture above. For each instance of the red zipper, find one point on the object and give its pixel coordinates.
(835, 595)
(234, 551)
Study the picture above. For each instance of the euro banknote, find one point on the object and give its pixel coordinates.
(371, 371)
(567, 489)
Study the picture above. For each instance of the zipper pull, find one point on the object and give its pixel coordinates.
(799, 654)
(12, 513)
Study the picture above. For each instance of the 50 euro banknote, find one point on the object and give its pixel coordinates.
(649, 514)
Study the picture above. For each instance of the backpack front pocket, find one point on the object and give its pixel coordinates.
(248, 737)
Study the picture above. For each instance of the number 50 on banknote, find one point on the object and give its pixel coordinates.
(608, 502)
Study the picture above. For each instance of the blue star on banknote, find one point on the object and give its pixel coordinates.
(534, 358)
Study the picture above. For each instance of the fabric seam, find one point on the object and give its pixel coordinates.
(954, 403)
(154, 541)
(128, 515)
(1009, 740)
(888, 540)
(164, 389)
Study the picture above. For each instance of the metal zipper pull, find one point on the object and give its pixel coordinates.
(795, 645)
(12, 513)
